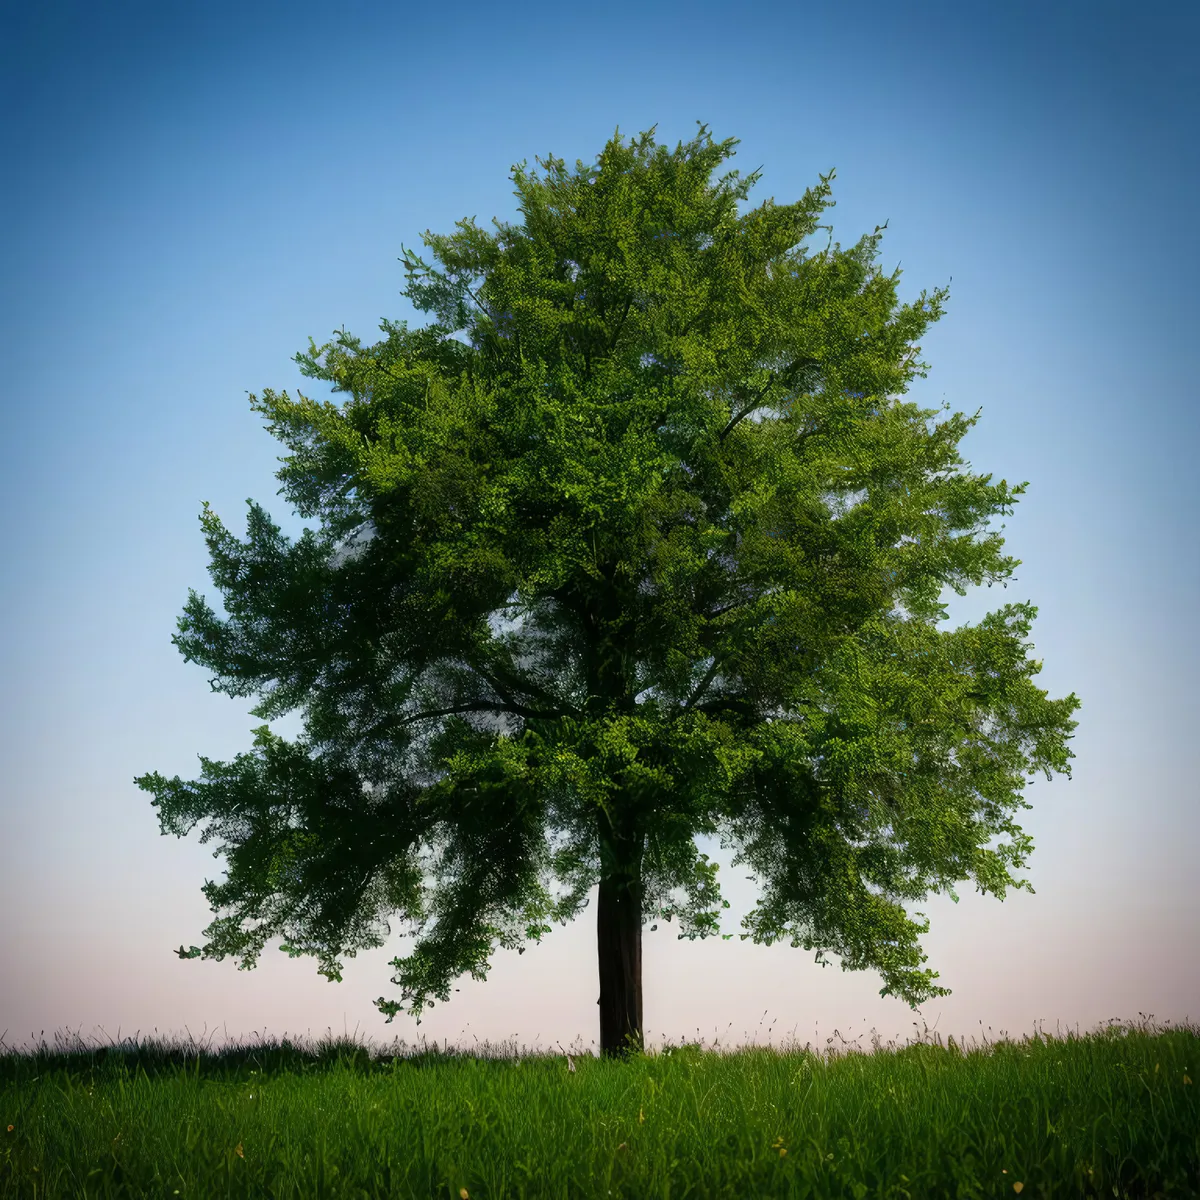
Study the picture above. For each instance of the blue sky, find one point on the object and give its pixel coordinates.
(195, 190)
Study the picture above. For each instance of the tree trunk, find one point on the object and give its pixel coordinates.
(619, 944)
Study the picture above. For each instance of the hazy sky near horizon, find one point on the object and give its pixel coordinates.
(194, 191)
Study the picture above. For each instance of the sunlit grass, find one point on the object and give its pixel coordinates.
(1113, 1114)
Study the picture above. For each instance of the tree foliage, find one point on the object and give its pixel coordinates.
(673, 450)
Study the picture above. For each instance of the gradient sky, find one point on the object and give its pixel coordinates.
(194, 190)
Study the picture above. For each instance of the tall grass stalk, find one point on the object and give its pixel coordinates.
(1113, 1114)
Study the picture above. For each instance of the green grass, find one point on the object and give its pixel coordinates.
(1111, 1114)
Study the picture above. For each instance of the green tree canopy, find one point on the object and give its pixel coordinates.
(708, 637)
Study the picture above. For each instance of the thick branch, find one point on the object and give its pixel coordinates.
(478, 706)
(712, 671)
(747, 411)
(617, 332)
(788, 377)
(525, 685)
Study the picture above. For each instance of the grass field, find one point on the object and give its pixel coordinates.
(1112, 1114)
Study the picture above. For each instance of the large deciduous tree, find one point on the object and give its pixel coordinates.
(673, 453)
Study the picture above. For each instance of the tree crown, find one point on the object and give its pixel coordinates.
(713, 640)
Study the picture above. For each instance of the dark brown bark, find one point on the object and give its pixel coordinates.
(619, 945)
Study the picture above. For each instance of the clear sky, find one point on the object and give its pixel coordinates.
(193, 190)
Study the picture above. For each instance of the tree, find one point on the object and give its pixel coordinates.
(708, 639)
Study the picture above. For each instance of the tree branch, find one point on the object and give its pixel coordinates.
(525, 685)
(788, 376)
(718, 663)
(620, 324)
(746, 412)
(478, 706)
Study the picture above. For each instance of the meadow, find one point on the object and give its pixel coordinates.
(1112, 1114)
